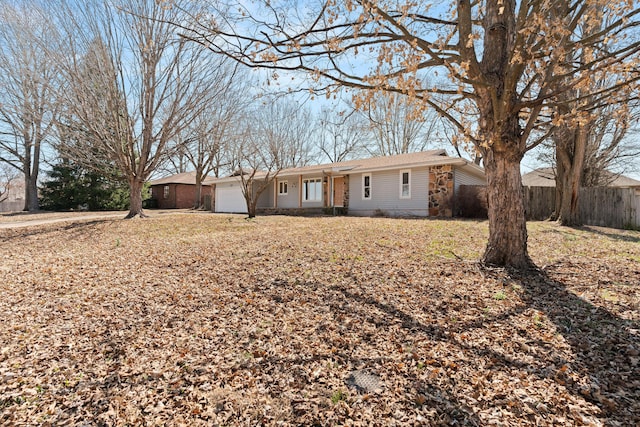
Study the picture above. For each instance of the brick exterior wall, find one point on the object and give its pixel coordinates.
(441, 191)
(181, 196)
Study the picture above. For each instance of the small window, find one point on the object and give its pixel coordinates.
(405, 184)
(312, 190)
(366, 187)
(166, 192)
(283, 188)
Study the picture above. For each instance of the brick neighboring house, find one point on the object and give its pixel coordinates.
(179, 191)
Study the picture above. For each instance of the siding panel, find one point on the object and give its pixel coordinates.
(266, 198)
(385, 194)
(290, 200)
(462, 177)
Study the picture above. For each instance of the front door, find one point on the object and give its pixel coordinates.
(338, 191)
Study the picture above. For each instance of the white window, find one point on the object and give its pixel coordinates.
(166, 192)
(366, 187)
(405, 184)
(312, 190)
(283, 188)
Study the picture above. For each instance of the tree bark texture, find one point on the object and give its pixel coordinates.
(503, 147)
(507, 244)
(31, 202)
(135, 199)
(198, 197)
(570, 154)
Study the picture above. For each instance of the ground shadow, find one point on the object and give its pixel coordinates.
(605, 348)
(76, 227)
(614, 236)
(603, 369)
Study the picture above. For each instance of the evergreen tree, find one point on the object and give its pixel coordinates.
(72, 186)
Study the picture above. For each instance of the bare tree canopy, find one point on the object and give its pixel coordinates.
(396, 127)
(277, 136)
(341, 135)
(29, 82)
(133, 84)
(613, 145)
(502, 66)
(205, 145)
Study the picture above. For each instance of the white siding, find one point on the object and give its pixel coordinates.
(385, 194)
(266, 198)
(463, 177)
(289, 200)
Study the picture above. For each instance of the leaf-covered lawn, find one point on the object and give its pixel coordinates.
(215, 320)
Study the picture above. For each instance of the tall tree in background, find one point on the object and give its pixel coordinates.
(7, 177)
(28, 86)
(613, 144)
(341, 135)
(276, 136)
(504, 61)
(396, 126)
(70, 186)
(204, 144)
(609, 148)
(133, 85)
(570, 136)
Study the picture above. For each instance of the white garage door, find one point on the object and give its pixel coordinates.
(229, 198)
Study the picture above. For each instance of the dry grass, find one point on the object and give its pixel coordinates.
(12, 217)
(214, 320)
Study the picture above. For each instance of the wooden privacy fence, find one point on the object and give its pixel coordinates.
(601, 206)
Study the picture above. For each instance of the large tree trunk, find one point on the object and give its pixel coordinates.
(503, 149)
(251, 203)
(30, 166)
(196, 202)
(507, 244)
(33, 204)
(570, 159)
(251, 209)
(135, 198)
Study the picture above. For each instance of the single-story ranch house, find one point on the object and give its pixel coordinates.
(179, 191)
(414, 184)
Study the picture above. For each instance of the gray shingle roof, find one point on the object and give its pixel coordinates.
(422, 158)
(181, 178)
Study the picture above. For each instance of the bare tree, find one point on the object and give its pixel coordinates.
(341, 135)
(277, 136)
(7, 176)
(395, 125)
(134, 85)
(29, 80)
(503, 61)
(205, 144)
(612, 145)
(608, 148)
(570, 137)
